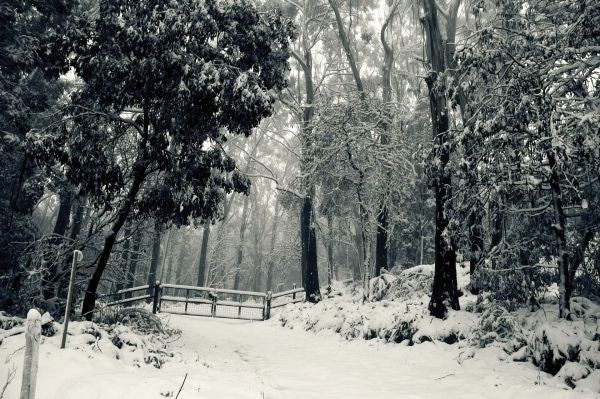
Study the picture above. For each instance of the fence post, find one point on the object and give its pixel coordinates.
(33, 331)
(240, 307)
(155, 298)
(213, 310)
(267, 314)
(187, 296)
(294, 294)
(77, 257)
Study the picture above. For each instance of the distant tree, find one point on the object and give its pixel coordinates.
(187, 73)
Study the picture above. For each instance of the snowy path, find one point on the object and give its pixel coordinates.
(236, 360)
(256, 360)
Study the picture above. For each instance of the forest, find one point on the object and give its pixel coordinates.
(421, 170)
(255, 146)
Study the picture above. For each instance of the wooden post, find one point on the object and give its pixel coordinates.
(267, 314)
(77, 257)
(33, 331)
(155, 298)
(187, 296)
(213, 310)
(240, 307)
(294, 294)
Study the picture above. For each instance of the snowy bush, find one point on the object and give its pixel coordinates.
(379, 286)
(551, 347)
(512, 288)
(496, 324)
(138, 318)
(7, 322)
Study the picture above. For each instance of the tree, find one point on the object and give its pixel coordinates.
(444, 279)
(26, 29)
(190, 73)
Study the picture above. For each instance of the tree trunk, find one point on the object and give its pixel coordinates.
(565, 284)
(131, 271)
(381, 248)
(49, 286)
(78, 219)
(122, 279)
(155, 259)
(240, 251)
(330, 266)
(201, 281)
(444, 280)
(272, 248)
(89, 301)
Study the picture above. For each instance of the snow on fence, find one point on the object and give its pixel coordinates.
(213, 302)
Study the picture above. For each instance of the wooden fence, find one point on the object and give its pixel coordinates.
(205, 301)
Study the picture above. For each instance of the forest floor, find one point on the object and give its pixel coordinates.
(240, 359)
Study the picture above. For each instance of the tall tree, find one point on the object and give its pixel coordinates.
(444, 279)
(191, 72)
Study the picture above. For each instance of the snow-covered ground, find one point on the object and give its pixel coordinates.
(241, 359)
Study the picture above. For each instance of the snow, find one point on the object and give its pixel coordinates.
(243, 359)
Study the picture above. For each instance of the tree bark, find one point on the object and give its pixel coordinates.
(381, 248)
(122, 279)
(444, 281)
(49, 285)
(562, 259)
(201, 281)
(272, 248)
(155, 259)
(131, 271)
(240, 251)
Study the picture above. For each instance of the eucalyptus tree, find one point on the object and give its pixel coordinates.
(191, 73)
(440, 51)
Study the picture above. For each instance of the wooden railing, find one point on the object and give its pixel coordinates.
(154, 296)
(286, 297)
(215, 302)
(206, 301)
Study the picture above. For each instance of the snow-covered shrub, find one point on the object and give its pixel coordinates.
(379, 286)
(138, 318)
(7, 322)
(496, 324)
(512, 288)
(412, 282)
(572, 372)
(552, 347)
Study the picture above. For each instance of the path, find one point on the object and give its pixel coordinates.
(262, 360)
(234, 359)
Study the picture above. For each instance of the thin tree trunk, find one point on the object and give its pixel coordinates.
(272, 248)
(139, 173)
(122, 279)
(155, 259)
(564, 285)
(240, 251)
(132, 270)
(201, 281)
(49, 286)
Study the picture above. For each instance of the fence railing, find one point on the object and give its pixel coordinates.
(283, 298)
(206, 301)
